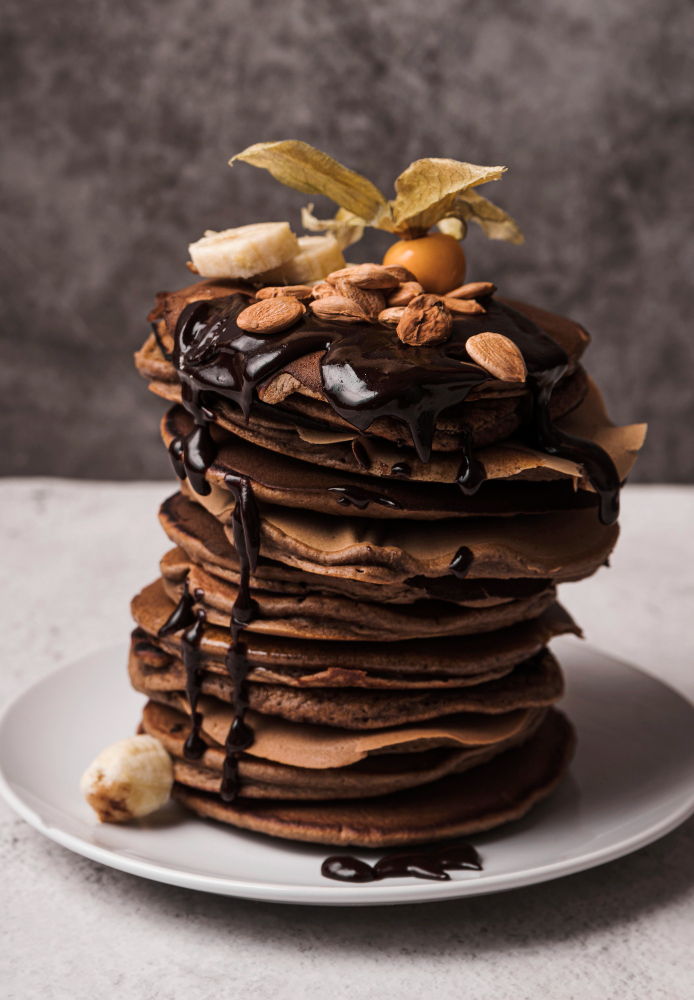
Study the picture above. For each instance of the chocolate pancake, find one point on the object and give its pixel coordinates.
(201, 536)
(484, 797)
(293, 483)
(326, 664)
(301, 376)
(535, 683)
(377, 775)
(561, 547)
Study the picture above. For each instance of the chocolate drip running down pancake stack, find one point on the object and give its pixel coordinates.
(347, 643)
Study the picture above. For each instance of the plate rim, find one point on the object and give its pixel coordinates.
(340, 895)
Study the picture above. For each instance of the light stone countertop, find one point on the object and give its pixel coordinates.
(73, 553)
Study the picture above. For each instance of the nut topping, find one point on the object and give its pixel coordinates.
(403, 295)
(473, 290)
(400, 272)
(369, 301)
(301, 292)
(271, 315)
(365, 276)
(498, 355)
(338, 309)
(468, 306)
(426, 320)
(322, 290)
(393, 315)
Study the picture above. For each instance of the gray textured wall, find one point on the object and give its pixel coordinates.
(119, 119)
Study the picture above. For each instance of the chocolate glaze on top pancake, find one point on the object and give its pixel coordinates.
(367, 373)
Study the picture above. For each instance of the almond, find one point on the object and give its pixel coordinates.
(365, 276)
(369, 301)
(191, 267)
(405, 293)
(426, 320)
(393, 315)
(322, 290)
(338, 309)
(468, 306)
(278, 388)
(401, 273)
(473, 290)
(271, 315)
(301, 292)
(498, 355)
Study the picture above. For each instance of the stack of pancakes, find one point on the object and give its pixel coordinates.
(348, 640)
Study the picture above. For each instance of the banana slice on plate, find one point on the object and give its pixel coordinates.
(317, 257)
(244, 252)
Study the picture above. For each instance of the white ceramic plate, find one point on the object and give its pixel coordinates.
(632, 781)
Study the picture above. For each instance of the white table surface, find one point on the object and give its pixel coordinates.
(72, 555)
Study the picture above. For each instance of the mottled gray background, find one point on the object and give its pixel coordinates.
(119, 119)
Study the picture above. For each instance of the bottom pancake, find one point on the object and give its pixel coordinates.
(496, 792)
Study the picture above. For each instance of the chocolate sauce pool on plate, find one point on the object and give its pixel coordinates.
(432, 864)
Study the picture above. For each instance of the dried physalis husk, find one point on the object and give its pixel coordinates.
(473, 290)
(392, 315)
(371, 302)
(498, 355)
(271, 315)
(468, 306)
(301, 292)
(338, 309)
(367, 276)
(403, 295)
(426, 320)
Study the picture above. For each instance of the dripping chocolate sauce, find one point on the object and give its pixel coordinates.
(185, 617)
(461, 562)
(432, 864)
(367, 373)
(245, 523)
(357, 496)
(401, 470)
(360, 454)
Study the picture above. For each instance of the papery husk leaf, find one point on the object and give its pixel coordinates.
(457, 228)
(427, 190)
(495, 223)
(307, 169)
(346, 227)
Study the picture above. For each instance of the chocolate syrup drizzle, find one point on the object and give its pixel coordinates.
(366, 373)
(433, 864)
(357, 496)
(245, 523)
(185, 617)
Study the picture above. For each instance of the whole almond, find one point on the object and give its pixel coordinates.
(468, 306)
(338, 309)
(301, 292)
(426, 320)
(270, 315)
(498, 355)
(370, 301)
(473, 290)
(405, 293)
(365, 276)
(401, 273)
(391, 316)
(322, 289)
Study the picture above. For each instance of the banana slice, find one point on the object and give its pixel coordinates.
(130, 778)
(244, 252)
(318, 256)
